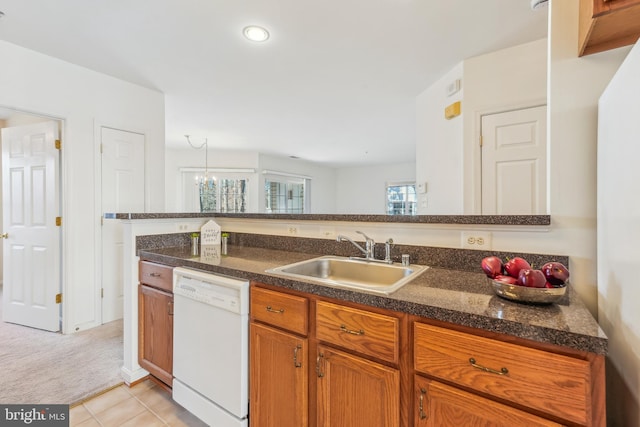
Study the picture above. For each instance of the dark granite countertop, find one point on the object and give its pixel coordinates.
(453, 296)
(543, 220)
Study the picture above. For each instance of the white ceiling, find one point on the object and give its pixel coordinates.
(336, 82)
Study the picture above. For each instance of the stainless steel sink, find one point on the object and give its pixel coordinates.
(352, 273)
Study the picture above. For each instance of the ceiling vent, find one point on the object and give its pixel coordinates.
(538, 4)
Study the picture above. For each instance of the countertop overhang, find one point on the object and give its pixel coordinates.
(457, 297)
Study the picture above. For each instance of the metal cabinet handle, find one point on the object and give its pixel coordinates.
(295, 356)
(155, 274)
(5, 235)
(272, 310)
(344, 328)
(319, 365)
(421, 413)
(502, 371)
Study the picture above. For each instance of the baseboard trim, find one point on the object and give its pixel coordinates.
(131, 377)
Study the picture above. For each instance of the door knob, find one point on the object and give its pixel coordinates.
(5, 235)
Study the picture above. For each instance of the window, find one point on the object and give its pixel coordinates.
(285, 194)
(401, 199)
(223, 192)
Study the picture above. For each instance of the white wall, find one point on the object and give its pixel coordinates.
(618, 231)
(84, 100)
(575, 84)
(439, 148)
(447, 151)
(362, 190)
(500, 81)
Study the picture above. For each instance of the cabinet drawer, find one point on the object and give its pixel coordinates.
(286, 311)
(156, 275)
(549, 382)
(363, 331)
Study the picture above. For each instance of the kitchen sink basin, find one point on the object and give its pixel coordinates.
(352, 273)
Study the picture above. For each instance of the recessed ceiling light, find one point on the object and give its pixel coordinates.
(255, 33)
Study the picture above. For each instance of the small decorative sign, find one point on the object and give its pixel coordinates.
(210, 234)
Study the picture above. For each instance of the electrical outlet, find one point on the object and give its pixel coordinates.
(327, 233)
(476, 240)
(182, 227)
(292, 230)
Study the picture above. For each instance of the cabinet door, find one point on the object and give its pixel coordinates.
(439, 405)
(155, 332)
(356, 392)
(605, 6)
(278, 378)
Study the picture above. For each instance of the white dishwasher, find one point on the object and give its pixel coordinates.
(210, 346)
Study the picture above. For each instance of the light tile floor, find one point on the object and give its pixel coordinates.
(145, 404)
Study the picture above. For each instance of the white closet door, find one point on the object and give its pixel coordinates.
(514, 162)
(123, 170)
(31, 202)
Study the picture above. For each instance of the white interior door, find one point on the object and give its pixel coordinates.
(514, 162)
(31, 203)
(122, 191)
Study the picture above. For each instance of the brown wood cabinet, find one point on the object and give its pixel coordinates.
(368, 366)
(559, 386)
(607, 24)
(348, 377)
(356, 392)
(439, 405)
(278, 360)
(155, 320)
(279, 375)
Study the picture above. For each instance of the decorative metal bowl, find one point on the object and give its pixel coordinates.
(526, 294)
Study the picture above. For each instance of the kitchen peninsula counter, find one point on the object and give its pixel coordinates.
(458, 297)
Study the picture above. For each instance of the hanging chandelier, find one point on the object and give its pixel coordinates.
(206, 184)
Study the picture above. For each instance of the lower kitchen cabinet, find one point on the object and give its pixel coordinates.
(321, 362)
(356, 392)
(440, 405)
(555, 385)
(155, 329)
(279, 378)
(155, 320)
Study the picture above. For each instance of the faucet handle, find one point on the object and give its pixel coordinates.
(365, 236)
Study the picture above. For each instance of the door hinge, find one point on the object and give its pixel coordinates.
(101, 151)
(58, 144)
(58, 298)
(58, 221)
(481, 141)
(101, 292)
